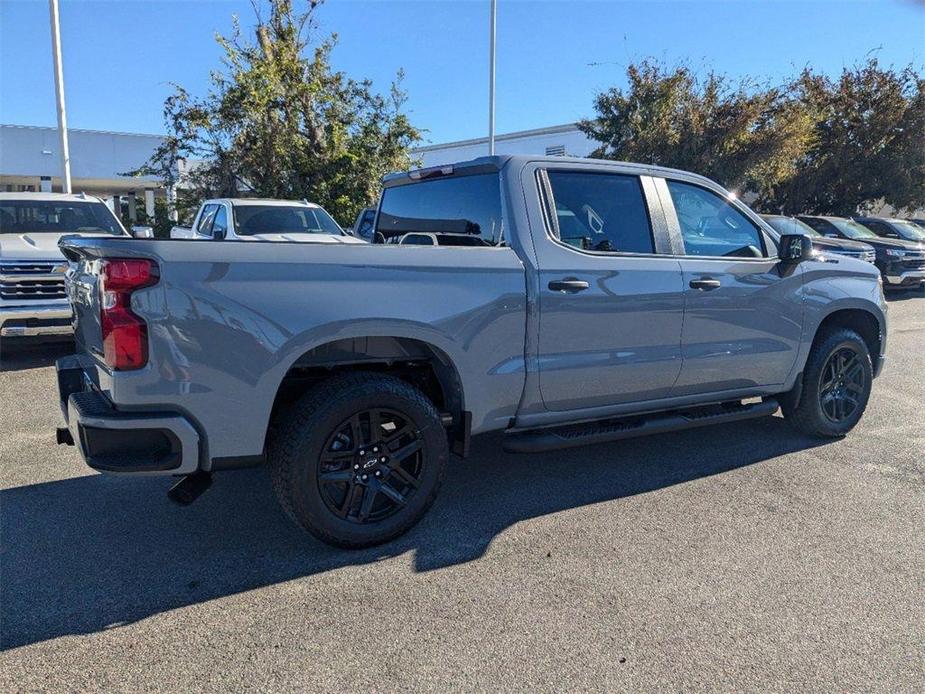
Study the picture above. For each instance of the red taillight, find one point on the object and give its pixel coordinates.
(125, 335)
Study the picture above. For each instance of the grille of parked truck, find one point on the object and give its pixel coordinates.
(598, 300)
(32, 294)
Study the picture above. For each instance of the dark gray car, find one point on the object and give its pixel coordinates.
(603, 300)
(792, 225)
(901, 262)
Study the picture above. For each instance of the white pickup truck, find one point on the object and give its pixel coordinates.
(254, 219)
(32, 298)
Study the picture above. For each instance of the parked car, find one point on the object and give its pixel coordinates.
(902, 263)
(609, 300)
(894, 228)
(254, 219)
(32, 298)
(839, 246)
(363, 227)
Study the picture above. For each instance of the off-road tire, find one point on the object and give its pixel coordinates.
(299, 440)
(807, 414)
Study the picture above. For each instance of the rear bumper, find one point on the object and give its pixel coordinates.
(31, 321)
(113, 441)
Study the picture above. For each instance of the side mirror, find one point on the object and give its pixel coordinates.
(794, 248)
(142, 232)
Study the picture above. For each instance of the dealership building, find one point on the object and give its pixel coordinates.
(30, 160)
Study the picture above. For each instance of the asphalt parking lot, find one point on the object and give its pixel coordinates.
(740, 557)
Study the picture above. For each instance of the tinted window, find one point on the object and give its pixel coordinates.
(205, 219)
(909, 230)
(601, 212)
(789, 225)
(853, 230)
(711, 226)
(365, 226)
(38, 216)
(820, 225)
(461, 205)
(880, 228)
(280, 219)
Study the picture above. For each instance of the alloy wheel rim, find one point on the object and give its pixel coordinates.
(371, 465)
(842, 384)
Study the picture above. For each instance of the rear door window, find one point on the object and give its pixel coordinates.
(711, 226)
(603, 213)
(459, 210)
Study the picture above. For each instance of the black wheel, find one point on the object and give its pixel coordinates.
(836, 386)
(359, 459)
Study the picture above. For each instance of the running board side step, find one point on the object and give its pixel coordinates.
(614, 429)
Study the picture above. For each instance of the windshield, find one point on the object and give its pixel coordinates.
(54, 217)
(853, 230)
(279, 219)
(908, 230)
(789, 225)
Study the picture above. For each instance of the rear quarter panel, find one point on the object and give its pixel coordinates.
(228, 320)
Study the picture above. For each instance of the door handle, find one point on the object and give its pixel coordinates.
(568, 285)
(705, 283)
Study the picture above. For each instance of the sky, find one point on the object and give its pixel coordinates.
(120, 57)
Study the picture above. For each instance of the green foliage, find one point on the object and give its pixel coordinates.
(279, 122)
(160, 222)
(670, 117)
(813, 145)
(868, 143)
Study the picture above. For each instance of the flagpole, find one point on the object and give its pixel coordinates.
(491, 78)
(59, 92)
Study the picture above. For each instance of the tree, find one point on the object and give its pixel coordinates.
(813, 145)
(868, 143)
(279, 122)
(742, 135)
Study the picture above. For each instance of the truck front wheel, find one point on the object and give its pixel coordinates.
(836, 386)
(359, 459)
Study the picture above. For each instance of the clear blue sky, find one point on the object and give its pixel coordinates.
(119, 57)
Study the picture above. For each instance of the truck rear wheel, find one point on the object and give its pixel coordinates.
(359, 459)
(836, 386)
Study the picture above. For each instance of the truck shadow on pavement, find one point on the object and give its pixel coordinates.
(85, 554)
(28, 353)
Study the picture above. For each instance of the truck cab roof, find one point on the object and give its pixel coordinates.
(50, 197)
(499, 161)
(244, 202)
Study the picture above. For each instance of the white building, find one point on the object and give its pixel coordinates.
(30, 159)
(562, 140)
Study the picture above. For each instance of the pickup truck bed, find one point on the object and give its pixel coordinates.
(597, 306)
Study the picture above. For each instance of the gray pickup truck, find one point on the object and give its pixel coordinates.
(604, 300)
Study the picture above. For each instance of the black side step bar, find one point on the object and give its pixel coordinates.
(552, 438)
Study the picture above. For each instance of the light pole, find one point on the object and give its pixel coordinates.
(491, 78)
(59, 92)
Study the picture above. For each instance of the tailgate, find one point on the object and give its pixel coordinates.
(82, 287)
